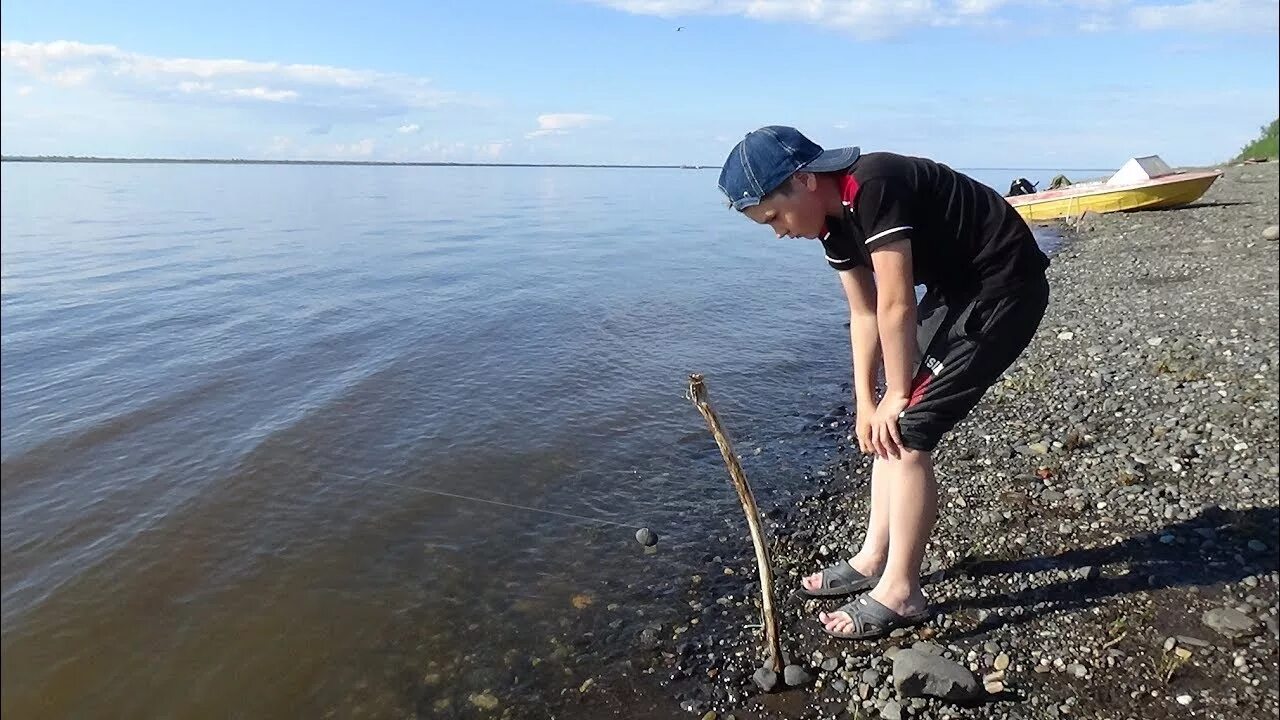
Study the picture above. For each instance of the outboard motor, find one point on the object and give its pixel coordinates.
(1021, 186)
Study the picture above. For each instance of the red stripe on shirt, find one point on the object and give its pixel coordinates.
(848, 193)
(849, 189)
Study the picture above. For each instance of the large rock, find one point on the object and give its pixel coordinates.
(1230, 622)
(765, 678)
(795, 676)
(928, 648)
(917, 674)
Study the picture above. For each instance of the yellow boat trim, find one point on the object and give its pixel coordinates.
(1162, 193)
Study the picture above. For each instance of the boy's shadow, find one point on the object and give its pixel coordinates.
(1151, 564)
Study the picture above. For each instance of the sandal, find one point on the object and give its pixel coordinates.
(872, 620)
(838, 580)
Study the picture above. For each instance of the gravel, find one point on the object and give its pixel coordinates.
(1116, 489)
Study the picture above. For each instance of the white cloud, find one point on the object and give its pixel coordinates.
(871, 19)
(437, 151)
(978, 7)
(72, 77)
(1209, 15)
(561, 123)
(333, 91)
(408, 129)
(362, 149)
(261, 93)
(287, 148)
(494, 150)
(280, 146)
(1095, 24)
(25, 90)
(862, 18)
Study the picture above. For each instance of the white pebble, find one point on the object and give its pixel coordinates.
(1184, 699)
(1154, 341)
(1066, 335)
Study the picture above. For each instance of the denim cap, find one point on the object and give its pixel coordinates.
(765, 158)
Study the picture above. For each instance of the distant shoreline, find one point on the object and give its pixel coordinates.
(392, 163)
(382, 163)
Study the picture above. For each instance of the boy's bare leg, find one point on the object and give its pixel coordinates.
(913, 507)
(870, 560)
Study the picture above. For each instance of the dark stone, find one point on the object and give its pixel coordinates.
(650, 638)
(765, 679)
(646, 537)
(795, 676)
(919, 674)
(1230, 622)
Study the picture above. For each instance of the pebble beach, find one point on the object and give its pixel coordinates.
(1107, 545)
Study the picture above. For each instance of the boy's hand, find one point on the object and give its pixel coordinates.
(866, 412)
(884, 437)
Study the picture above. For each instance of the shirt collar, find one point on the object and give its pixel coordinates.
(848, 194)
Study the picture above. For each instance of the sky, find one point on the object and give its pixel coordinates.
(974, 83)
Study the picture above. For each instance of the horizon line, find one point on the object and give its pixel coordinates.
(402, 163)
(282, 161)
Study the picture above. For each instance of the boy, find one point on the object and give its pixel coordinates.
(888, 223)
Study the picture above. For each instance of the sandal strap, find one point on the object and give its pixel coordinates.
(839, 575)
(865, 612)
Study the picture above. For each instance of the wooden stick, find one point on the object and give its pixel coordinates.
(698, 394)
(1109, 643)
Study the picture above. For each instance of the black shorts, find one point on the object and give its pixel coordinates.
(965, 347)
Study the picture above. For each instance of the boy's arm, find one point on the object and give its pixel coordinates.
(887, 208)
(896, 316)
(864, 335)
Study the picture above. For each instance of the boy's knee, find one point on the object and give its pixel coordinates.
(909, 457)
(919, 437)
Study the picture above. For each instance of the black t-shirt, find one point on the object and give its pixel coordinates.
(966, 240)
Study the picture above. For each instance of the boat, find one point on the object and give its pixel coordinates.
(1142, 183)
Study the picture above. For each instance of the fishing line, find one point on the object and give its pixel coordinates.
(484, 500)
